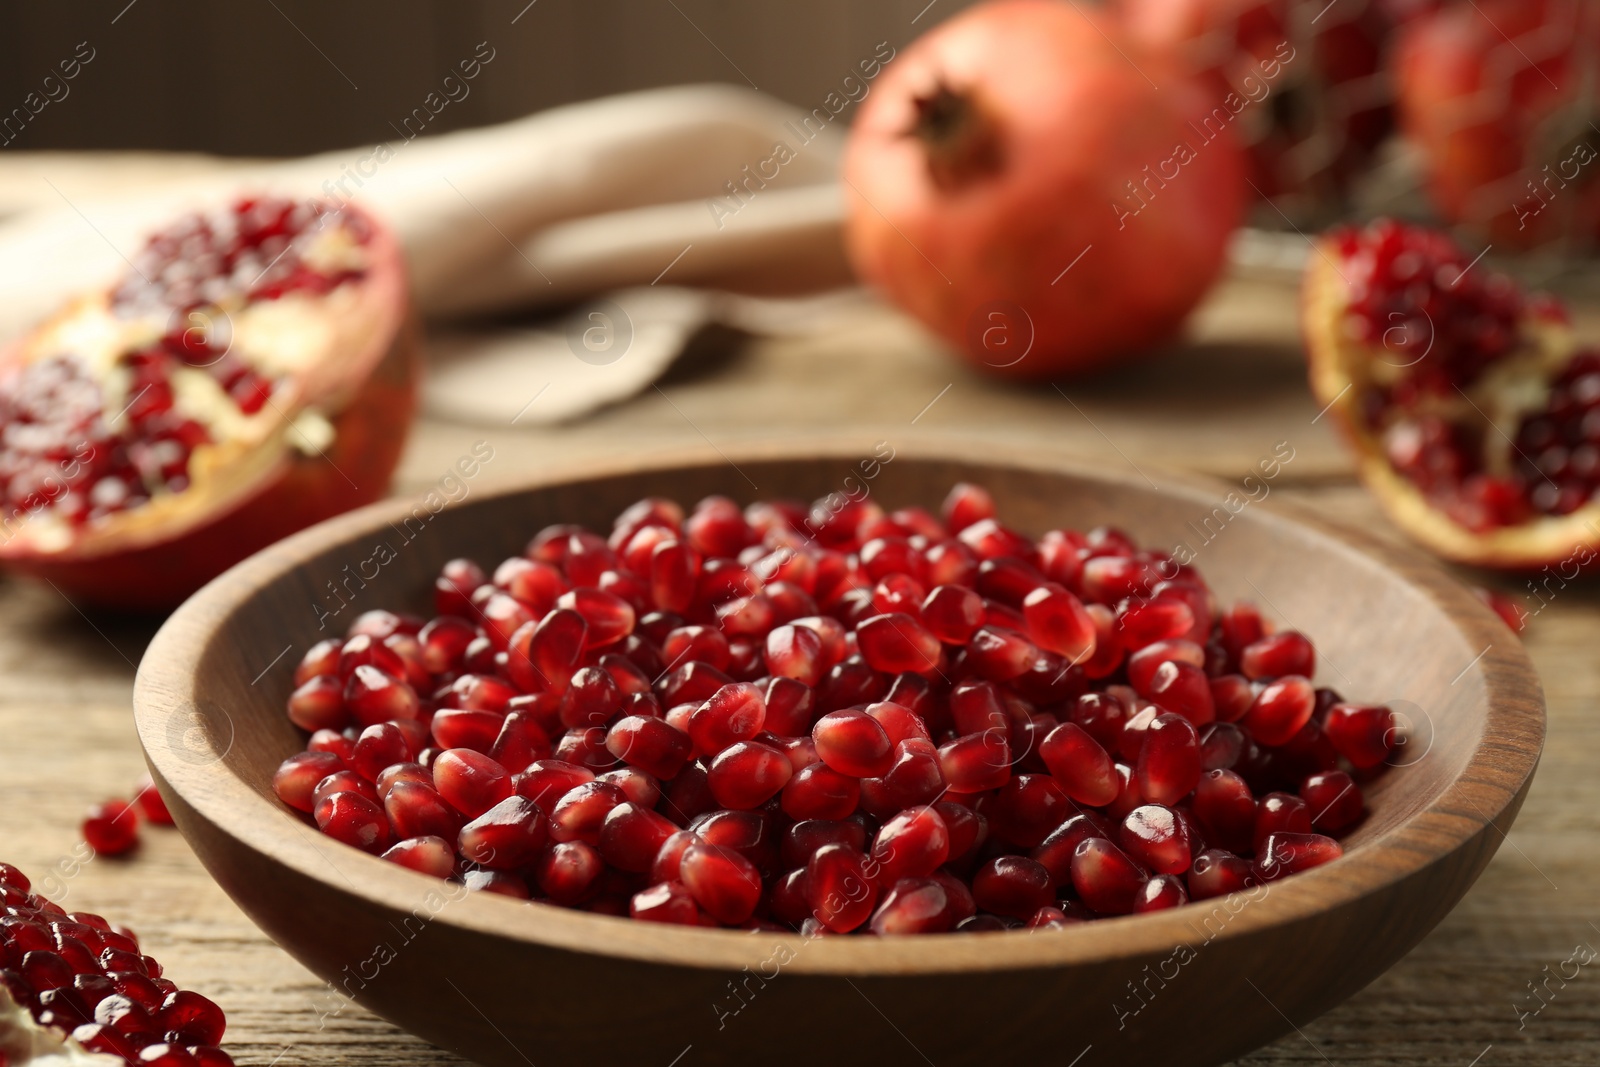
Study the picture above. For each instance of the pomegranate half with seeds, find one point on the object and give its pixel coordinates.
(249, 374)
(77, 991)
(1474, 413)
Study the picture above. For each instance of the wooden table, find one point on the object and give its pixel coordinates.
(1217, 404)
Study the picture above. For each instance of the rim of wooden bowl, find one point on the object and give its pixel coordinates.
(1497, 771)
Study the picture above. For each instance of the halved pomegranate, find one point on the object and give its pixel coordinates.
(1474, 413)
(251, 373)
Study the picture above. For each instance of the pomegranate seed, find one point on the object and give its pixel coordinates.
(747, 774)
(915, 906)
(1059, 622)
(506, 837)
(1276, 655)
(111, 828)
(1025, 809)
(723, 882)
(1082, 768)
(1143, 622)
(470, 782)
(297, 777)
(1000, 654)
(790, 708)
(373, 696)
(1226, 810)
(795, 652)
(1182, 688)
(191, 1019)
(453, 589)
(853, 743)
(1280, 709)
(1279, 813)
(1013, 886)
(966, 504)
(820, 792)
(1055, 852)
(976, 762)
(653, 745)
(631, 837)
(343, 781)
(1102, 716)
(1105, 878)
(1364, 734)
(839, 888)
(581, 812)
(545, 655)
(1159, 893)
(355, 820)
(913, 779)
(1156, 837)
(1216, 872)
(1169, 759)
(425, 855)
(150, 804)
(734, 712)
(669, 857)
(666, 902)
(1333, 800)
(319, 704)
(1231, 696)
(896, 643)
(913, 844)
(801, 841)
(952, 613)
(1283, 854)
(568, 871)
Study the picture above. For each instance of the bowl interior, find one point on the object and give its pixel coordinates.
(1387, 627)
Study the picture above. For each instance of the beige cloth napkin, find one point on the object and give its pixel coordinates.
(647, 210)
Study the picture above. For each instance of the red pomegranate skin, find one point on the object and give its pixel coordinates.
(1094, 218)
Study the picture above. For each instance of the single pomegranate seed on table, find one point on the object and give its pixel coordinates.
(111, 828)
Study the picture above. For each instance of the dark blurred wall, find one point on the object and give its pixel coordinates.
(279, 77)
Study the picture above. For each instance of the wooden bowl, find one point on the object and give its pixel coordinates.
(505, 982)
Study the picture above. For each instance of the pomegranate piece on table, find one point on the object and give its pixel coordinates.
(250, 374)
(76, 990)
(838, 721)
(1473, 412)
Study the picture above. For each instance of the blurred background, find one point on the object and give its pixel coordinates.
(287, 77)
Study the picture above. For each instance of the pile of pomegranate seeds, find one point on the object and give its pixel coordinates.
(73, 447)
(80, 976)
(831, 720)
(1436, 324)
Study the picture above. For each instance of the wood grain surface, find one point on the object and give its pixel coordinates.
(1218, 404)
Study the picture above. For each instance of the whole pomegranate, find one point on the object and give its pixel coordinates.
(251, 373)
(1305, 74)
(1027, 182)
(1500, 98)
